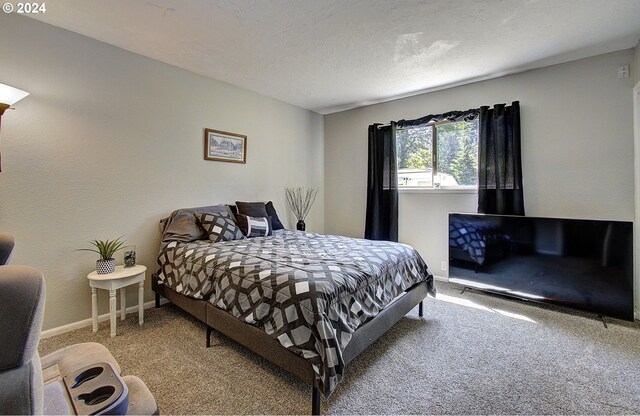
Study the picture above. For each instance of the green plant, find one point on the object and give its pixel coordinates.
(105, 248)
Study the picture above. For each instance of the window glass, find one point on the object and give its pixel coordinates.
(454, 162)
(458, 153)
(415, 156)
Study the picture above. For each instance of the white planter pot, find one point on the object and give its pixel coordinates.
(105, 266)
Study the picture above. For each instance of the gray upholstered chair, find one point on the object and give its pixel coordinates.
(29, 385)
(21, 310)
(6, 247)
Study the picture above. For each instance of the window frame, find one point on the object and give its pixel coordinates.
(434, 165)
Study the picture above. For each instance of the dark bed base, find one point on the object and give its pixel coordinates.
(268, 348)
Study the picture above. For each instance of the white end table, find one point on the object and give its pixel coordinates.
(122, 277)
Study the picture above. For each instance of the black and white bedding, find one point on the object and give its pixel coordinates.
(308, 291)
(473, 236)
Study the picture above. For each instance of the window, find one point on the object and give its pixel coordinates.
(438, 155)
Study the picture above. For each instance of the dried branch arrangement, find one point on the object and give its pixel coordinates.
(300, 200)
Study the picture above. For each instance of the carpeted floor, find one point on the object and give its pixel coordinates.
(472, 353)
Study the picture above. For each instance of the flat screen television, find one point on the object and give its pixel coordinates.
(581, 264)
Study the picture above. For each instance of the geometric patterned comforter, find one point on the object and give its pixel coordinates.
(308, 291)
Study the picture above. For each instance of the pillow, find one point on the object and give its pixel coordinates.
(220, 227)
(183, 226)
(271, 212)
(252, 209)
(254, 226)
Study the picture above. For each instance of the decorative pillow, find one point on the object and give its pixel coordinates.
(220, 227)
(252, 209)
(271, 212)
(254, 226)
(182, 225)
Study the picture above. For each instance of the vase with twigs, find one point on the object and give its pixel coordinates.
(300, 201)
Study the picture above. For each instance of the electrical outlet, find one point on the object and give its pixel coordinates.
(443, 266)
(623, 71)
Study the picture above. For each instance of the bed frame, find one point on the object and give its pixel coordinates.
(262, 344)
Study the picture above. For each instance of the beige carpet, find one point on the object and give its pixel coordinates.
(471, 354)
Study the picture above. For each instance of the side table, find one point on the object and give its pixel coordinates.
(122, 277)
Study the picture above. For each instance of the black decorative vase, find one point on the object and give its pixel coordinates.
(300, 226)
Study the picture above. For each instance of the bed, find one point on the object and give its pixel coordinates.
(307, 302)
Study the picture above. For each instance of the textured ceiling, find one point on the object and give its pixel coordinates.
(332, 55)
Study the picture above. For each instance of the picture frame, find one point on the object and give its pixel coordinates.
(223, 146)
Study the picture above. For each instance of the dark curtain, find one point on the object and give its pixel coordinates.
(499, 162)
(382, 184)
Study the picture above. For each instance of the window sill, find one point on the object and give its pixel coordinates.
(438, 190)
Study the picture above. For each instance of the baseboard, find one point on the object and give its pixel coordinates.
(88, 322)
(440, 278)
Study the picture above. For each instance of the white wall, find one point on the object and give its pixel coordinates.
(635, 66)
(577, 146)
(109, 142)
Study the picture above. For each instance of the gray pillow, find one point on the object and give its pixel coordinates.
(183, 226)
(220, 227)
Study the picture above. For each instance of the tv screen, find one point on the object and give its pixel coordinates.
(582, 264)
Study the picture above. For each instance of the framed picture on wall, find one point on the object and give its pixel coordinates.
(224, 146)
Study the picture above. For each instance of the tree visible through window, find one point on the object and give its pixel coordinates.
(438, 155)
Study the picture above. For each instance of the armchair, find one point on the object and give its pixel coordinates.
(30, 385)
(6, 247)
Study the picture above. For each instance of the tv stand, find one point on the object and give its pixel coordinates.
(604, 320)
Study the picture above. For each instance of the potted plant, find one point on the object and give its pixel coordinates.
(300, 200)
(105, 249)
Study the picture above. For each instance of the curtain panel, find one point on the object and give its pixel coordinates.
(382, 184)
(500, 163)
